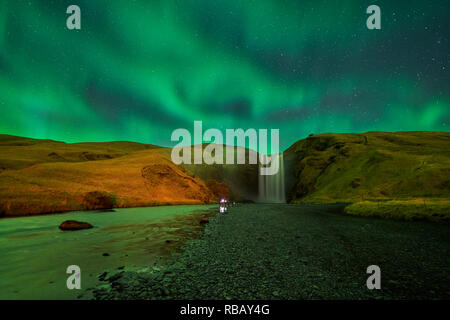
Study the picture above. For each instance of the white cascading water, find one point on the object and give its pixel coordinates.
(271, 188)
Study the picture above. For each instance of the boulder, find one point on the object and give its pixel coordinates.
(74, 225)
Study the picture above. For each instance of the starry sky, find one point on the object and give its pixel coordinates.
(137, 70)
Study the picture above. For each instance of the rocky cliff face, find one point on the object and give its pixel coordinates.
(240, 179)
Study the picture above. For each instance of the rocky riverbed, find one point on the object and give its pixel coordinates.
(263, 251)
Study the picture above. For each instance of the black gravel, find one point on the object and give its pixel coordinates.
(269, 251)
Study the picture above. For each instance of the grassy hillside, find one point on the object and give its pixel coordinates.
(369, 167)
(42, 176)
(19, 153)
(45, 176)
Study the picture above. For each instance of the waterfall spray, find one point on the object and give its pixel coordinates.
(271, 187)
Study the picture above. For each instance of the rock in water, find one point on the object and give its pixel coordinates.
(73, 225)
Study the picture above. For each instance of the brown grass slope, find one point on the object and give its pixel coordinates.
(372, 167)
(17, 152)
(43, 176)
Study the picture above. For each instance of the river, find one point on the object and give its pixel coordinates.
(35, 253)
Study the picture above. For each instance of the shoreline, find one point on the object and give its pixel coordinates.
(162, 204)
(130, 239)
(408, 209)
(287, 256)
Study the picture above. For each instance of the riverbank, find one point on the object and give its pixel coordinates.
(268, 251)
(427, 209)
(435, 210)
(35, 253)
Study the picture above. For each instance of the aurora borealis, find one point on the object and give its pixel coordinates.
(137, 70)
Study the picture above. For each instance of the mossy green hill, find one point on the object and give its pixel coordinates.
(410, 167)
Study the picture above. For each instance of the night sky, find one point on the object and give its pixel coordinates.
(137, 70)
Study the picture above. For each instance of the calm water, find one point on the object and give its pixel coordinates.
(34, 253)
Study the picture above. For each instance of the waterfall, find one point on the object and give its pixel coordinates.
(271, 187)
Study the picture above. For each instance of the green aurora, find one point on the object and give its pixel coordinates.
(137, 70)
